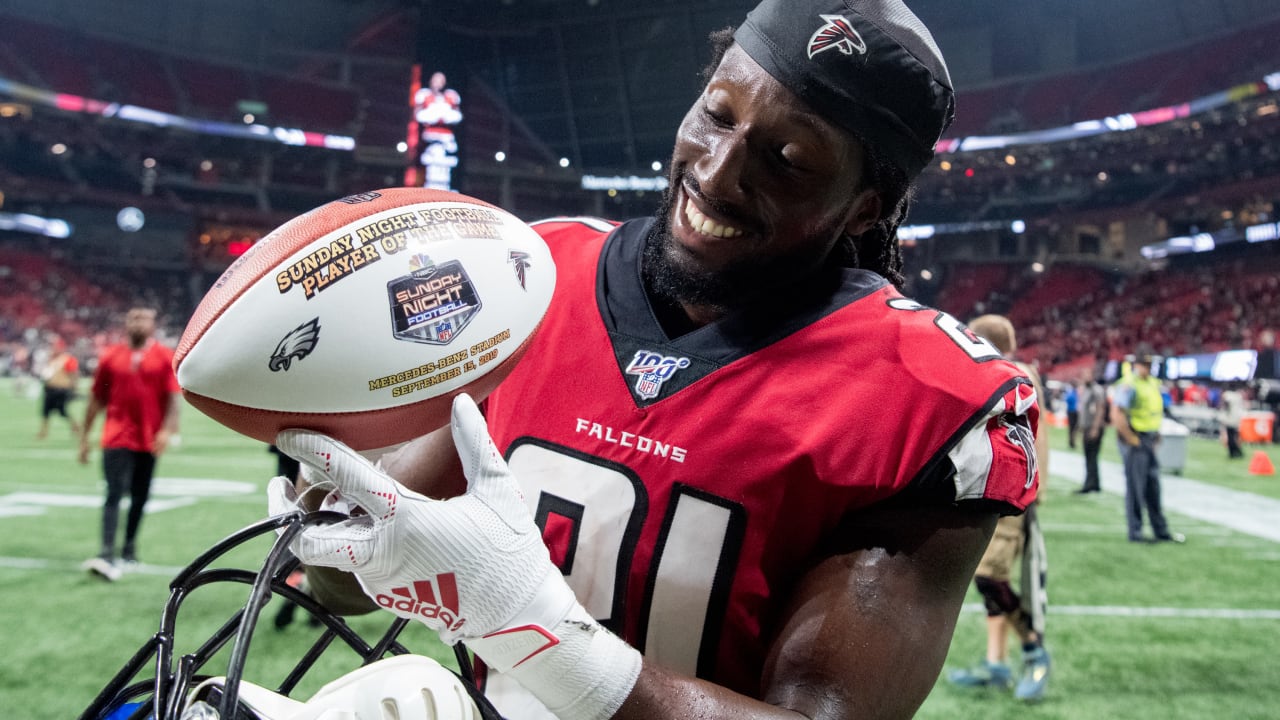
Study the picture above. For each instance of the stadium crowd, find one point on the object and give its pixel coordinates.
(1074, 314)
(1202, 173)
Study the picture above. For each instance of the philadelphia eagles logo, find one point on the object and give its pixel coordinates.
(296, 345)
(837, 33)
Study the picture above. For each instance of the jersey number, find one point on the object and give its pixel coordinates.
(976, 347)
(591, 513)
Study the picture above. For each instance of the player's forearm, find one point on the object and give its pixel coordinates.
(892, 688)
(880, 664)
(661, 693)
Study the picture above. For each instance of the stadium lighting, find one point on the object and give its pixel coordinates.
(130, 219)
(1037, 267)
(656, 166)
(1018, 226)
(58, 149)
(402, 146)
(35, 224)
(564, 162)
(500, 156)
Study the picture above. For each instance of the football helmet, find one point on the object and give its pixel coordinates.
(390, 677)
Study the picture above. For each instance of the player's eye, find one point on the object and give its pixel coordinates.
(717, 116)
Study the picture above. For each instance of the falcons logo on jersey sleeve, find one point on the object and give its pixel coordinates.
(296, 345)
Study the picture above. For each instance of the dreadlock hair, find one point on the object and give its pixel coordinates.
(877, 249)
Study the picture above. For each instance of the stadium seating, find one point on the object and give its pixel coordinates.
(1074, 315)
(1191, 176)
(1158, 80)
(67, 61)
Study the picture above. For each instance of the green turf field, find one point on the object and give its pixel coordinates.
(1136, 632)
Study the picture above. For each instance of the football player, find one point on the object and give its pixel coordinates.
(737, 473)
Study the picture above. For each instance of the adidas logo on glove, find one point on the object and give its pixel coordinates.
(421, 600)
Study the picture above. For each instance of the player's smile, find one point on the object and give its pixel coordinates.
(702, 232)
(706, 226)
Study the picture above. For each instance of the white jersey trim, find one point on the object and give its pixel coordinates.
(594, 223)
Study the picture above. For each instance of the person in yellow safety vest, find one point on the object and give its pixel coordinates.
(1136, 412)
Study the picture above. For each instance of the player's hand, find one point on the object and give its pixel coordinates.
(464, 566)
(472, 567)
(83, 455)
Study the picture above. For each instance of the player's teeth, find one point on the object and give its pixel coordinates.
(706, 225)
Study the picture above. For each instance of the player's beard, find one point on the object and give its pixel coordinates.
(671, 275)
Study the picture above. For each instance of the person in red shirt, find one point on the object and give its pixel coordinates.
(135, 384)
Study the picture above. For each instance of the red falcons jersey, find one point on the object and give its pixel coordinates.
(683, 484)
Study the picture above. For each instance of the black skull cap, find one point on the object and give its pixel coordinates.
(868, 66)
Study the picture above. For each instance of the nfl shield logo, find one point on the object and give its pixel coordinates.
(648, 385)
(653, 370)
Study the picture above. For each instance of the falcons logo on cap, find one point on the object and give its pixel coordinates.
(838, 33)
(519, 259)
(296, 345)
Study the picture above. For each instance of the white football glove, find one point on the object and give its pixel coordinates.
(473, 568)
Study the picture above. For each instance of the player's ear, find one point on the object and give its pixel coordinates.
(865, 212)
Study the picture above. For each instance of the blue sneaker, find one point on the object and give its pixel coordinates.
(985, 674)
(1035, 675)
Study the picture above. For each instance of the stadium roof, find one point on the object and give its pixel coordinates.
(605, 82)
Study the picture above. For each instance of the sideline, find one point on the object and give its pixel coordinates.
(1241, 511)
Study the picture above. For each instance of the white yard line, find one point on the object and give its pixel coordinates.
(1152, 612)
(19, 563)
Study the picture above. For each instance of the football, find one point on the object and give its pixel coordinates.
(363, 318)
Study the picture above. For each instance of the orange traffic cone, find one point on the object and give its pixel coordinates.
(1261, 464)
